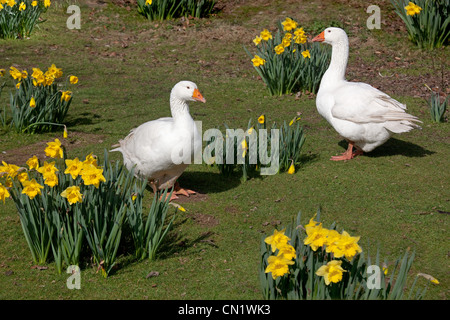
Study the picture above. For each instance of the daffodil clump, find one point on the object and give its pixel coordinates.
(171, 9)
(286, 62)
(245, 152)
(19, 17)
(67, 206)
(39, 102)
(427, 22)
(313, 262)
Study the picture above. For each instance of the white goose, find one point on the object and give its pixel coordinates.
(363, 115)
(160, 150)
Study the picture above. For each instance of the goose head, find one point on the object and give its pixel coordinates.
(331, 36)
(187, 91)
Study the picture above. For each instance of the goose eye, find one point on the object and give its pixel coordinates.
(329, 31)
(188, 88)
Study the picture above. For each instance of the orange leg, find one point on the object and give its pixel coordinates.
(349, 154)
(179, 190)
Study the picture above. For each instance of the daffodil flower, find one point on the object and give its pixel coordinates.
(73, 167)
(73, 79)
(265, 35)
(4, 193)
(306, 54)
(66, 95)
(412, 9)
(54, 149)
(291, 169)
(289, 24)
(278, 266)
(32, 188)
(47, 3)
(32, 102)
(277, 240)
(92, 175)
(261, 119)
(332, 272)
(257, 40)
(72, 194)
(33, 163)
(279, 49)
(22, 6)
(51, 179)
(258, 61)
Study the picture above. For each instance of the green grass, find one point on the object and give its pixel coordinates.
(393, 197)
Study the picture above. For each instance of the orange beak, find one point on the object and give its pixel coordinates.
(198, 96)
(320, 37)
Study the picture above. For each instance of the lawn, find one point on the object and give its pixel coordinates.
(396, 197)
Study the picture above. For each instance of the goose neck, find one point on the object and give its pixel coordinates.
(179, 108)
(338, 64)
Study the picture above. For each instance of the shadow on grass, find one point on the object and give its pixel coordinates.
(395, 147)
(209, 182)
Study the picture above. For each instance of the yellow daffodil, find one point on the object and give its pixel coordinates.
(10, 170)
(311, 224)
(287, 251)
(90, 159)
(316, 237)
(47, 168)
(279, 49)
(22, 6)
(285, 42)
(54, 149)
(306, 54)
(294, 120)
(15, 73)
(1, 8)
(412, 9)
(47, 3)
(18, 85)
(65, 134)
(11, 3)
(32, 188)
(72, 194)
(54, 71)
(244, 148)
(250, 131)
(33, 163)
(32, 102)
(277, 240)
(73, 79)
(92, 175)
(73, 167)
(257, 40)
(2, 72)
(51, 179)
(291, 169)
(261, 119)
(148, 2)
(265, 35)
(349, 245)
(258, 61)
(66, 95)
(278, 266)
(34, 3)
(332, 272)
(289, 24)
(22, 177)
(4, 193)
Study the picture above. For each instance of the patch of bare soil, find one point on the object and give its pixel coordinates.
(205, 220)
(19, 156)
